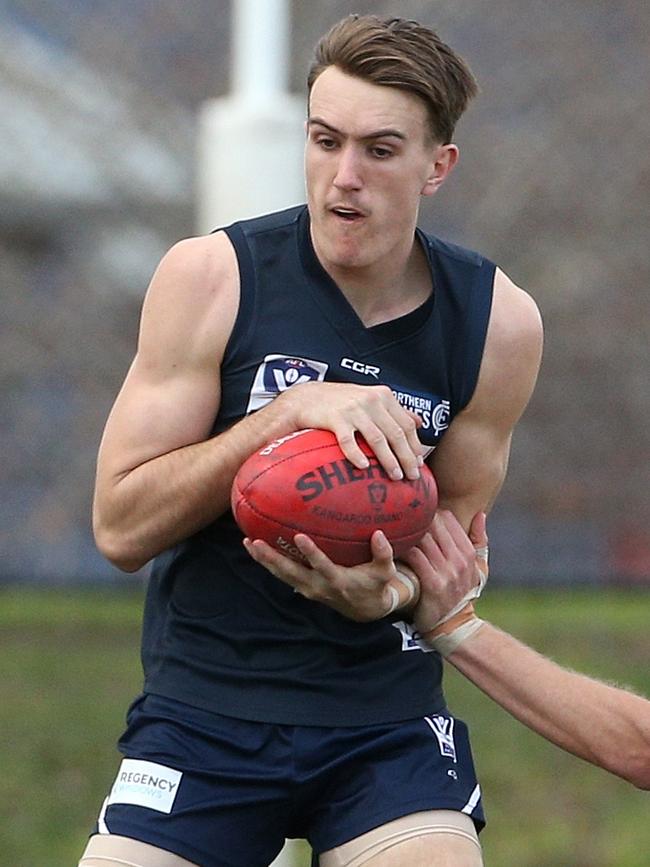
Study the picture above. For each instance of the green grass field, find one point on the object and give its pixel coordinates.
(69, 665)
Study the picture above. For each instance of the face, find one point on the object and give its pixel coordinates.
(368, 159)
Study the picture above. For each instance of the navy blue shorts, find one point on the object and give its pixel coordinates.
(224, 792)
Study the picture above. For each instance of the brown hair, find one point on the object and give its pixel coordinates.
(396, 52)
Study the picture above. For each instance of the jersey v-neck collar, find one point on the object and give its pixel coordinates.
(342, 315)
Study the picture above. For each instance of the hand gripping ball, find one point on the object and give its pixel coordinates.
(302, 483)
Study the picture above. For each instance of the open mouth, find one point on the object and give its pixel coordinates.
(349, 215)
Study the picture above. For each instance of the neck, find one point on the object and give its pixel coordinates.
(388, 289)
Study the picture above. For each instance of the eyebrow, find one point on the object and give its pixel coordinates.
(379, 133)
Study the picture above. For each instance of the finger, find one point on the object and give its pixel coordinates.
(400, 438)
(478, 530)
(430, 565)
(316, 558)
(283, 567)
(421, 563)
(381, 549)
(392, 445)
(452, 543)
(304, 580)
(455, 529)
(348, 444)
(373, 434)
(430, 550)
(409, 422)
(416, 418)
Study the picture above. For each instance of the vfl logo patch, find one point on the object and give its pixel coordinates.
(145, 784)
(277, 373)
(443, 729)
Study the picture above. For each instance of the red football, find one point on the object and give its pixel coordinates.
(302, 483)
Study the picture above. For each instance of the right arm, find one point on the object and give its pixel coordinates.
(160, 476)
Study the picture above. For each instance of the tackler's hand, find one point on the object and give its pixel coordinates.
(452, 569)
(363, 593)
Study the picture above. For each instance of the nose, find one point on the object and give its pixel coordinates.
(348, 170)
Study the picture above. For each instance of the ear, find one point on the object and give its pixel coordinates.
(443, 161)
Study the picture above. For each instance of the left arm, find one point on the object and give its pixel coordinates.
(601, 723)
(471, 462)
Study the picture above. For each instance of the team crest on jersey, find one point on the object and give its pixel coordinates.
(277, 373)
(433, 411)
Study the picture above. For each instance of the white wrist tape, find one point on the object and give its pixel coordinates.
(474, 593)
(410, 585)
(394, 601)
(446, 644)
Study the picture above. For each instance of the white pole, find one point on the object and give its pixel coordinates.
(260, 68)
(250, 143)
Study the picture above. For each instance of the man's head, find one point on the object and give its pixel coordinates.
(384, 97)
(395, 52)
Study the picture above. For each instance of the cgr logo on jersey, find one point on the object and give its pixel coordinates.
(277, 373)
(360, 367)
(434, 411)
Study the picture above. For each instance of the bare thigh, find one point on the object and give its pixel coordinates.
(435, 838)
(111, 850)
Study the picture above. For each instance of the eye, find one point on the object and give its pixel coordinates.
(326, 143)
(381, 152)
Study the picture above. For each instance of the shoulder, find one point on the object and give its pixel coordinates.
(284, 220)
(452, 251)
(511, 356)
(193, 296)
(515, 328)
(204, 262)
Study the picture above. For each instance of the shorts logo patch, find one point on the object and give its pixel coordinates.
(277, 373)
(411, 637)
(443, 729)
(145, 784)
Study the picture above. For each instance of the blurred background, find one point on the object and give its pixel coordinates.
(100, 125)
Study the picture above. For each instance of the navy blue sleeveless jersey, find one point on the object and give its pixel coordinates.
(222, 633)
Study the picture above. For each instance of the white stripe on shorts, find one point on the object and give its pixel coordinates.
(473, 801)
(101, 821)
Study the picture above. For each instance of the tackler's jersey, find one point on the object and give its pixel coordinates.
(220, 632)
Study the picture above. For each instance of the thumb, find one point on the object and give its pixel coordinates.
(477, 530)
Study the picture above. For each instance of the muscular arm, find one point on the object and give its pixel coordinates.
(160, 476)
(603, 724)
(471, 462)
